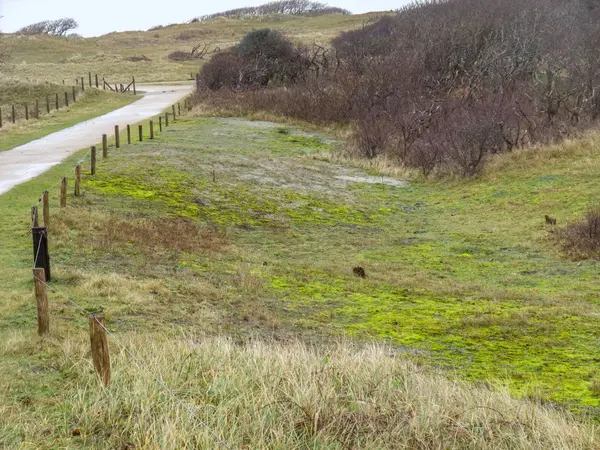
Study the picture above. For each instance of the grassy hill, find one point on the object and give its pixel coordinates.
(42, 58)
(222, 255)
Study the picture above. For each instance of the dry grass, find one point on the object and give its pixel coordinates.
(279, 396)
(581, 240)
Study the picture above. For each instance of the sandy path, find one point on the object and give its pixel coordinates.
(30, 160)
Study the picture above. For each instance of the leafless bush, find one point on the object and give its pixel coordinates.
(198, 51)
(582, 240)
(439, 92)
(58, 27)
(290, 7)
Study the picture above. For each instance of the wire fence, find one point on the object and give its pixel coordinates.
(140, 364)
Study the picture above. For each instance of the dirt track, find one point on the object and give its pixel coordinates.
(27, 161)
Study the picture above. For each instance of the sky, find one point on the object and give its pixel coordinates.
(96, 17)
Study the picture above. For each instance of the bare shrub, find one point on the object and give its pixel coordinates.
(434, 91)
(582, 240)
(58, 27)
(287, 7)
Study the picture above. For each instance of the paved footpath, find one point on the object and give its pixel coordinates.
(27, 161)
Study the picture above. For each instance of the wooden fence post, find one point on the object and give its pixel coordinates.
(26, 112)
(160, 123)
(47, 104)
(67, 99)
(41, 255)
(99, 343)
(37, 109)
(93, 160)
(134, 91)
(141, 132)
(104, 146)
(63, 192)
(90, 77)
(129, 134)
(74, 95)
(97, 80)
(0, 117)
(179, 108)
(14, 118)
(117, 137)
(82, 85)
(41, 298)
(166, 119)
(77, 191)
(35, 217)
(151, 129)
(57, 105)
(174, 113)
(46, 208)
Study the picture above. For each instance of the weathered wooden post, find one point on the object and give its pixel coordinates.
(57, 105)
(41, 255)
(97, 81)
(67, 99)
(173, 113)
(90, 78)
(63, 192)
(74, 95)
(77, 190)
(14, 116)
(134, 91)
(151, 129)
(104, 146)
(99, 343)
(160, 123)
(41, 298)
(47, 104)
(46, 208)
(35, 217)
(26, 112)
(0, 117)
(141, 131)
(129, 134)
(117, 137)
(37, 109)
(179, 108)
(82, 85)
(166, 119)
(93, 160)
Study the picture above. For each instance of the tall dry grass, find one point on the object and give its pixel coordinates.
(286, 396)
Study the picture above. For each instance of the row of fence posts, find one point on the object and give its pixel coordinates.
(42, 270)
(55, 102)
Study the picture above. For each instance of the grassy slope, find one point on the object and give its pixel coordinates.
(463, 275)
(460, 274)
(54, 59)
(92, 104)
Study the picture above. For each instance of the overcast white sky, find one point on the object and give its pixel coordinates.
(97, 17)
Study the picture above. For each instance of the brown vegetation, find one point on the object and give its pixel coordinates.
(289, 7)
(582, 240)
(435, 91)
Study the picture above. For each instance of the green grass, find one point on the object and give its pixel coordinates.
(461, 275)
(58, 59)
(92, 104)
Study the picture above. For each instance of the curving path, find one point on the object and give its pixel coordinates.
(27, 161)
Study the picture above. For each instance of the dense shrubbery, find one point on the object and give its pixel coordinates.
(290, 7)
(261, 58)
(443, 85)
(582, 240)
(58, 27)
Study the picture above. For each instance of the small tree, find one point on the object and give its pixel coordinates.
(58, 27)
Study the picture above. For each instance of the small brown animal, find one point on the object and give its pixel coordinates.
(550, 220)
(359, 272)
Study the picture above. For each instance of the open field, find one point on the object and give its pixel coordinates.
(92, 104)
(39, 58)
(234, 228)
